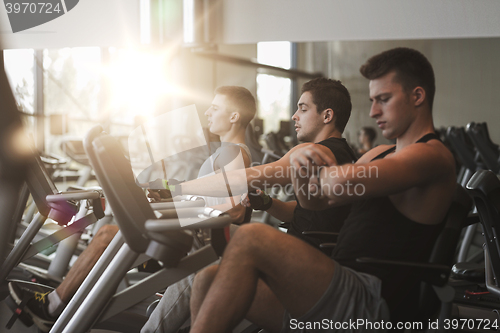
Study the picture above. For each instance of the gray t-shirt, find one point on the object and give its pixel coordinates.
(209, 167)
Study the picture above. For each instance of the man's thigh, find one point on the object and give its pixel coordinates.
(297, 273)
(266, 310)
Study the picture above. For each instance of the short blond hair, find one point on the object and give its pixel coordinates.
(241, 99)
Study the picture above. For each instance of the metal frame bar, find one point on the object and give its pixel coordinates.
(101, 293)
(490, 278)
(8, 201)
(22, 245)
(67, 247)
(88, 283)
(264, 69)
(59, 235)
(159, 280)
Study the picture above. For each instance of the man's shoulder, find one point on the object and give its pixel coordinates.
(308, 144)
(232, 150)
(429, 147)
(374, 152)
(437, 150)
(228, 150)
(332, 140)
(229, 147)
(431, 157)
(341, 149)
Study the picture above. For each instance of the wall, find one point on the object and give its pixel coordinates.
(467, 77)
(201, 76)
(89, 23)
(252, 21)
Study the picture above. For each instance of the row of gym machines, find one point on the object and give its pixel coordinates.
(473, 278)
(77, 210)
(146, 231)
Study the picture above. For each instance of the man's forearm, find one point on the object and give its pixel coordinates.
(239, 181)
(217, 185)
(304, 194)
(283, 211)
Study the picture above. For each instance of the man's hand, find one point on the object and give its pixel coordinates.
(315, 185)
(257, 200)
(158, 184)
(159, 195)
(163, 189)
(306, 160)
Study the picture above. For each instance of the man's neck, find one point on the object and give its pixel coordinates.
(420, 127)
(326, 135)
(233, 136)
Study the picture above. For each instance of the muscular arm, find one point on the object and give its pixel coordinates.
(305, 164)
(417, 165)
(232, 206)
(243, 180)
(259, 200)
(283, 211)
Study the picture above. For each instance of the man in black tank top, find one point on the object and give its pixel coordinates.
(282, 285)
(330, 219)
(300, 219)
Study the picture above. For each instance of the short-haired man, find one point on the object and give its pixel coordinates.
(282, 285)
(231, 111)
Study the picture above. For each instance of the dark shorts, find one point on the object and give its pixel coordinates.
(352, 303)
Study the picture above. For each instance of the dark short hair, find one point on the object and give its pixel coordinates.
(241, 99)
(370, 132)
(411, 67)
(330, 94)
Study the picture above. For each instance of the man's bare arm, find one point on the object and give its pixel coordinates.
(283, 211)
(414, 166)
(232, 205)
(305, 163)
(257, 177)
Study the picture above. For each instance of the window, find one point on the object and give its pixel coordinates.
(273, 92)
(19, 66)
(71, 88)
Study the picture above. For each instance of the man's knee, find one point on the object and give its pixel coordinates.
(204, 278)
(251, 231)
(251, 235)
(105, 234)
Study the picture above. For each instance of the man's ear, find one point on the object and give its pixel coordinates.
(235, 116)
(418, 96)
(328, 116)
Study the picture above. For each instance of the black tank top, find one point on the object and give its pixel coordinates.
(330, 219)
(376, 229)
